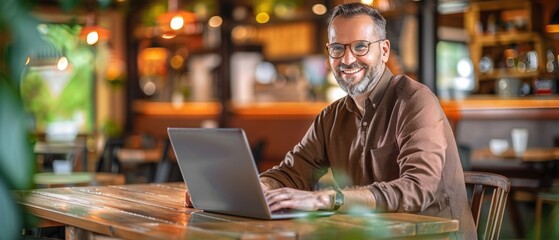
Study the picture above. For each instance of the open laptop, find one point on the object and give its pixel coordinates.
(219, 170)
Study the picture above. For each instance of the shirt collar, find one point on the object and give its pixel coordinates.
(382, 86)
(375, 96)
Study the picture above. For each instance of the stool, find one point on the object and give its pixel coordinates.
(543, 197)
(49, 179)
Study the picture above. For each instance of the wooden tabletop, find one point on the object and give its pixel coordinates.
(530, 155)
(155, 211)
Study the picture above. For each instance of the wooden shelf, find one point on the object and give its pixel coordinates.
(499, 5)
(498, 43)
(507, 38)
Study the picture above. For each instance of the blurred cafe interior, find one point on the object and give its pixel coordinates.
(101, 80)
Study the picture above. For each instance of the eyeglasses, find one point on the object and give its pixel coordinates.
(358, 48)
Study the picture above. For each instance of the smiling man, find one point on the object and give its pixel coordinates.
(388, 143)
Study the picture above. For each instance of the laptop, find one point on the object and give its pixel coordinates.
(218, 167)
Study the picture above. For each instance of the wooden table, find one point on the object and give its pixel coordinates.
(530, 173)
(155, 211)
(541, 163)
(50, 180)
(71, 150)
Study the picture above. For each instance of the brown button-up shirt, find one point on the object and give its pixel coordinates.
(402, 148)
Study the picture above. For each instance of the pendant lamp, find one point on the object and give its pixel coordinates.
(93, 33)
(176, 21)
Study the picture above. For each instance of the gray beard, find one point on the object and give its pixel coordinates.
(367, 83)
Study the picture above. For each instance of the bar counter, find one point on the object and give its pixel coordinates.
(290, 120)
(477, 106)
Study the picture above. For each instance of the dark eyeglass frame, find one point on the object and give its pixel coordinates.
(351, 46)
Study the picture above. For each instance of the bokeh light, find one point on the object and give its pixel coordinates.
(319, 9)
(177, 22)
(215, 21)
(92, 37)
(262, 17)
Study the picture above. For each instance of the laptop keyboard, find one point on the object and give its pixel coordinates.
(286, 211)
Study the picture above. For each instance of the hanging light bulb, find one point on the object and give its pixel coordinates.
(62, 63)
(175, 21)
(92, 37)
(49, 62)
(93, 33)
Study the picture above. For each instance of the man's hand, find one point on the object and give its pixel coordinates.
(298, 199)
(268, 184)
(187, 199)
(265, 187)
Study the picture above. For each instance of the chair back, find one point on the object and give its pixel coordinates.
(497, 187)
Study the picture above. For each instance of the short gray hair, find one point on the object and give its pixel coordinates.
(354, 9)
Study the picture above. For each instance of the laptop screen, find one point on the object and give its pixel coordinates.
(219, 170)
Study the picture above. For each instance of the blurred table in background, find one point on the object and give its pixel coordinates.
(531, 173)
(74, 151)
(538, 163)
(135, 156)
(51, 180)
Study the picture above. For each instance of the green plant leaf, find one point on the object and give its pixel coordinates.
(11, 217)
(16, 156)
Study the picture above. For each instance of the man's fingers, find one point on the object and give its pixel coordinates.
(294, 199)
(276, 195)
(187, 199)
(264, 187)
(282, 205)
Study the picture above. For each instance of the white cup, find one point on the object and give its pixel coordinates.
(62, 166)
(498, 146)
(519, 141)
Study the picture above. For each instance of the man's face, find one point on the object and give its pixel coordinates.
(357, 74)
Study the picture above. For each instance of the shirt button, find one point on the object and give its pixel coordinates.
(364, 124)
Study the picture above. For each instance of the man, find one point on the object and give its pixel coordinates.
(388, 143)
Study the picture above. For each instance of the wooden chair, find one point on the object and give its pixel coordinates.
(498, 187)
(163, 168)
(551, 198)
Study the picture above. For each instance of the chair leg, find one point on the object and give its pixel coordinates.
(34, 232)
(549, 230)
(162, 172)
(163, 167)
(538, 219)
(516, 220)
